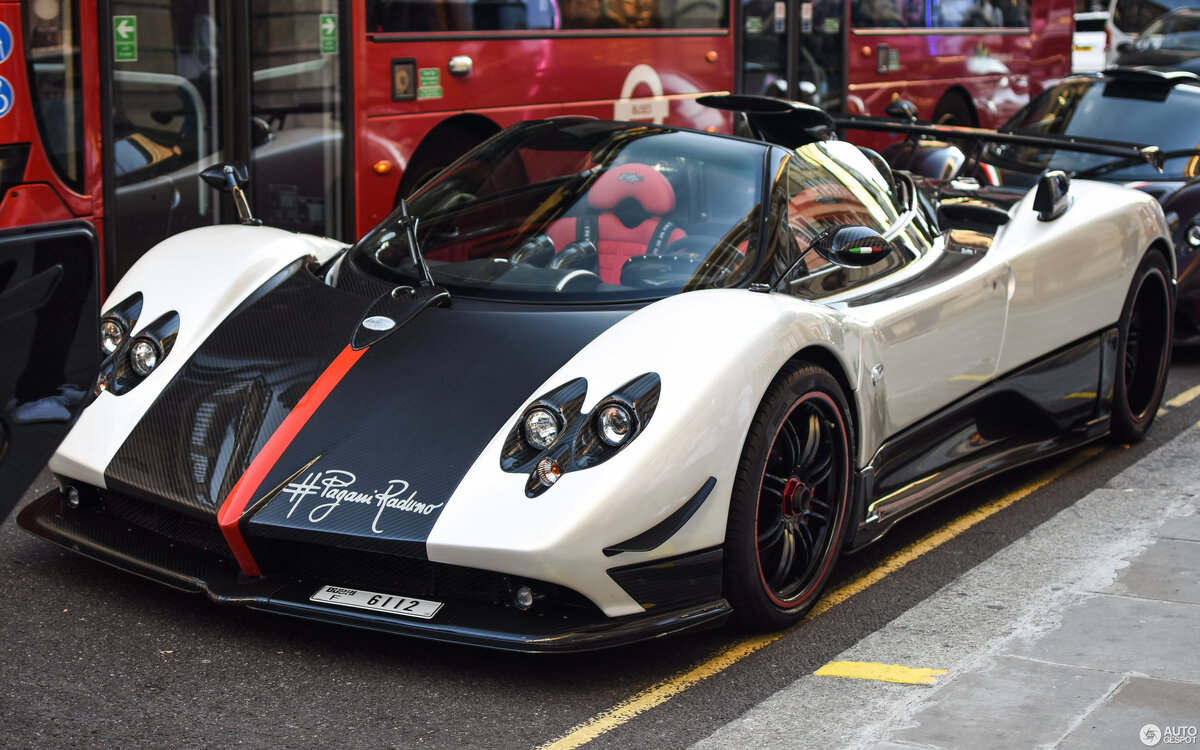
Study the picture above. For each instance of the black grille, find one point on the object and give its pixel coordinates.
(167, 523)
(324, 564)
(408, 576)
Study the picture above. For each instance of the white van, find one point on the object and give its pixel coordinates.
(1089, 44)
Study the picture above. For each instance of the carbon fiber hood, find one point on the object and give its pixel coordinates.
(375, 463)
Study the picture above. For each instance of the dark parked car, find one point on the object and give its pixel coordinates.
(1172, 40)
(1131, 105)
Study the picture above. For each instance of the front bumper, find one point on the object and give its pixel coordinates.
(117, 542)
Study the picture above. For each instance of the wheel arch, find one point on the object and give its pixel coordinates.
(824, 358)
(1162, 246)
(960, 96)
(447, 141)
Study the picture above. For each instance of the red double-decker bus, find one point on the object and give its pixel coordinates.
(339, 107)
(964, 62)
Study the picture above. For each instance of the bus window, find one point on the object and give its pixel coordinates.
(52, 49)
(403, 16)
(296, 104)
(165, 125)
(935, 14)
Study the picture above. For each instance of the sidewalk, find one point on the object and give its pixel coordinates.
(1079, 635)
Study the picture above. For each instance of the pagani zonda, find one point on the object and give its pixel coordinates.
(603, 381)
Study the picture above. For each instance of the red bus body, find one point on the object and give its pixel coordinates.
(639, 74)
(36, 188)
(969, 62)
(996, 71)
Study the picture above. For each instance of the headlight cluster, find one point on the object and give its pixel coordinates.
(129, 357)
(1192, 235)
(554, 436)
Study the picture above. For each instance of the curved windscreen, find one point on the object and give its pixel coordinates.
(582, 211)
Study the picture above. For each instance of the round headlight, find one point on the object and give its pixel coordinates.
(1193, 236)
(143, 356)
(541, 428)
(615, 424)
(111, 335)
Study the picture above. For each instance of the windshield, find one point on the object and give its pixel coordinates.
(583, 211)
(1172, 32)
(1131, 111)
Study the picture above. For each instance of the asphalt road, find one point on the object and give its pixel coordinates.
(92, 657)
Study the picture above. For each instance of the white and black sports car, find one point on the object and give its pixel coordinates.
(619, 380)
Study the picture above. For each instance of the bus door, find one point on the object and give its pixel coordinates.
(49, 322)
(195, 82)
(794, 49)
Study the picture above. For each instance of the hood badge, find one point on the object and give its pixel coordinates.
(379, 323)
(333, 487)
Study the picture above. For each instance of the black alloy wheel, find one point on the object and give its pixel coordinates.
(789, 512)
(1144, 349)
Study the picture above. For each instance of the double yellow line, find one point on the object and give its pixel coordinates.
(662, 692)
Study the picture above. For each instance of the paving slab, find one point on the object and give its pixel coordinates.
(1124, 635)
(1138, 702)
(1181, 528)
(1169, 570)
(1013, 703)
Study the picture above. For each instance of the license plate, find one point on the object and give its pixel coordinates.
(376, 602)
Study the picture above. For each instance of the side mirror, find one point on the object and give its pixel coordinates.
(901, 109)
(1053, 195)
(851, 246)
(260, 132)
(232, 177)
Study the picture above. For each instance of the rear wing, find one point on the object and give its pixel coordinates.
(793, 124)
(1134, 152)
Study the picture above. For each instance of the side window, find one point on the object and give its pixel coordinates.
(933, 14)
(407, 16)
(52, 50)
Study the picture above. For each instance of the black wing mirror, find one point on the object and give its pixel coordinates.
(851, 246)
(901, 109)
(232, 177)
(1053, 195)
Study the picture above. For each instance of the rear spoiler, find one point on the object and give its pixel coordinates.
(793, 124)
(1152, 155)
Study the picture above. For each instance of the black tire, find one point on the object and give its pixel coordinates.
(955, 109)
(790, 510)
(1143, 349)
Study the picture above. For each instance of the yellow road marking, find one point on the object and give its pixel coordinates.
(1187, 396)
(662, 692)
(870, 670)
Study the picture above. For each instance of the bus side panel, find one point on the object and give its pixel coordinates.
(998, 70)
(634, 78)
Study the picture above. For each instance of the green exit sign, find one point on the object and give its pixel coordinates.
(125, 44)
(329, 33)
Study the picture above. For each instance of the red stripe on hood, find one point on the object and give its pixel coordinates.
(247, 486)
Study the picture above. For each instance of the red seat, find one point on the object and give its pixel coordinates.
(627, 205)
